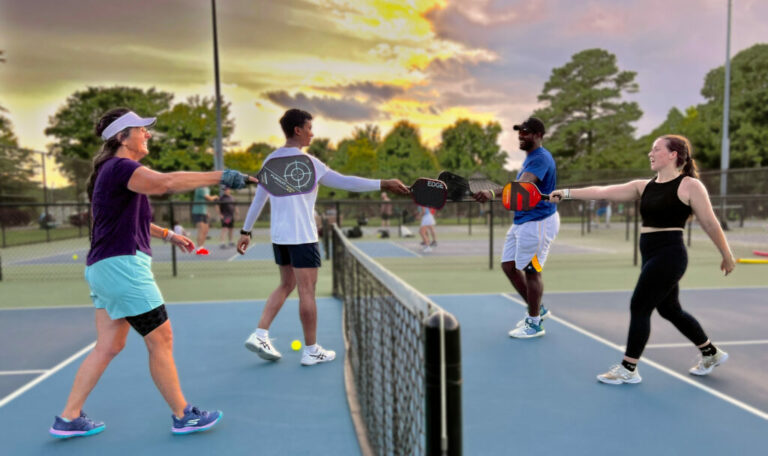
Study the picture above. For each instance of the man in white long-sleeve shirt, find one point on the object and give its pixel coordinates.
(294, 240)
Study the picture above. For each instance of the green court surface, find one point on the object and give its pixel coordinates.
(601, 260)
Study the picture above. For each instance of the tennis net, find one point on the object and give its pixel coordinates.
(384, 330)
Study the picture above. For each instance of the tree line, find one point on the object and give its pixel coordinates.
(584, 105)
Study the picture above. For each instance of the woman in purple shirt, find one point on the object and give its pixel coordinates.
(119, 274)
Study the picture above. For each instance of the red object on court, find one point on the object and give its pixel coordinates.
(202, 251)
(757, 252)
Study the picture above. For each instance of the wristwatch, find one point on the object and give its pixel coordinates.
(245, 233)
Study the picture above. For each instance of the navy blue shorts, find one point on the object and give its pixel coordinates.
(298, 255)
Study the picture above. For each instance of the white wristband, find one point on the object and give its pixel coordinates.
(170, 236)
(567, 194)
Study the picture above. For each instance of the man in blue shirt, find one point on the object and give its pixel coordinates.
(530, 237)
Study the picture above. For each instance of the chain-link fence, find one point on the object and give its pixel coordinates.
(50, 241)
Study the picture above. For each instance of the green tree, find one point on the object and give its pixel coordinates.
(185, 135)
(748, 119)
(16, 164)
(250, 160)
(590, 125)
(321, 149)
(402, 155)
(73, 124)
(470, 146)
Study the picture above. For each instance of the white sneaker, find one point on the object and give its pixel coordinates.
(544, 313)
(262, 347)
(528, 330)
(707, 363)
(320, 356)
(426, 249)
(619, 374)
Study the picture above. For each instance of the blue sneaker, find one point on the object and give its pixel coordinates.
(79, 427)
(195, 420)
(528, 330)
(544, 313)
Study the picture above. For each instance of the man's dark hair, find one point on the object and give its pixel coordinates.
(293, 118)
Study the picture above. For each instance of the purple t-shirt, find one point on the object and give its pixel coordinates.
(121, 218)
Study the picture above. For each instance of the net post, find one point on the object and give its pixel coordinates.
(442, 384)
(637, 229)
(173, 246)
(338, 214)
(581, 213)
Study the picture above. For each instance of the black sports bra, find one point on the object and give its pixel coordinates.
(660, 207)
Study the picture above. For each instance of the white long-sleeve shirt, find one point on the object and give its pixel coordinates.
(293, 216)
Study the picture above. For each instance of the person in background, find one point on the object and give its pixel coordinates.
(227, 213)
(427, 229)
(200, 217)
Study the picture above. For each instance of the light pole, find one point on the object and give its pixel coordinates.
(725, 145)
(218, 159)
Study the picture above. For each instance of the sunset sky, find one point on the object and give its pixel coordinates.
(352, 62)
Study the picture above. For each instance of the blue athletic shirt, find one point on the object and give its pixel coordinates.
(541, 164)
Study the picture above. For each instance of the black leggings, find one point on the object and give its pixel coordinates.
(664, 263)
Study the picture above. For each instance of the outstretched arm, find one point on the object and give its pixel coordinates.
(149, 182)
(629, 191)
(702, 208)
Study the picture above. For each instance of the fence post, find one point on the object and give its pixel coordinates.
(637, 229)
(47, 225)
(2, 227)
(690, 222)
(338, 214)
(469, 217)
(490, 237)
(626, 210)
(581, 216)
(173, 246)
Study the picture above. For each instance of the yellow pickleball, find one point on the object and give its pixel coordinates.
(296, 345)
(74, 257)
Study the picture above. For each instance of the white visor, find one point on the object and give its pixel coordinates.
(129, 119)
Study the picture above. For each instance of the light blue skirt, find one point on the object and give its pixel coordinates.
(124, 285)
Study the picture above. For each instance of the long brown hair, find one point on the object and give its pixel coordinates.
(110, 146)
(682, 146)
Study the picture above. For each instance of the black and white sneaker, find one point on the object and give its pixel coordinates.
(320, 356)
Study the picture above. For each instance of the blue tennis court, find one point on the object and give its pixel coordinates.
(523, 396)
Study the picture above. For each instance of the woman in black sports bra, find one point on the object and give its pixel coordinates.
(666, 203)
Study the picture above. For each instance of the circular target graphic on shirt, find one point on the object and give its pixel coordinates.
(299, 175)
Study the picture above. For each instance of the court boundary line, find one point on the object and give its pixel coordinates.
(731, 400)
(409, 251)
(35, 258)
(29, 385)
(235, 301)
(24, 372)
